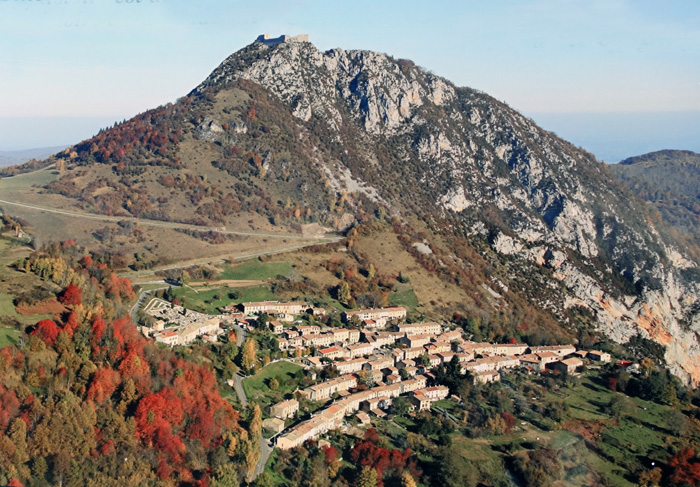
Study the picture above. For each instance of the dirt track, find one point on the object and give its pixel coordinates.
(228, 282)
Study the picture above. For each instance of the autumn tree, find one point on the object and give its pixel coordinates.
(371, 272)
(47, 330)
(685, 468)
(71, 295)
(367, 477)
(248, 355)
(255, 421)
(407, 480)
(344, 295)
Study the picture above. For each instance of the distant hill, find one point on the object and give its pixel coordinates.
(10, 158)
(670, 180)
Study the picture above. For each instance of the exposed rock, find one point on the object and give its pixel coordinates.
(473, 168)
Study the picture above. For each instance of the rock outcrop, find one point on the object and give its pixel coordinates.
(470, 152)
(373, 134)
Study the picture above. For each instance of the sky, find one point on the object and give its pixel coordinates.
(618, 77)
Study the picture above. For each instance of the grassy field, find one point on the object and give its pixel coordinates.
(12, 281)
(7, 308)
(405, 297)
(255, 270)
(256, 387)
(205, 300)
(24, 182)
(8, 336)
(640, 430)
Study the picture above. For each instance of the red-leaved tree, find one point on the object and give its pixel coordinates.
(47, 330)
(685, 468)
(71, 295)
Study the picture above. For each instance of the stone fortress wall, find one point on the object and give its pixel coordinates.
(268, 41)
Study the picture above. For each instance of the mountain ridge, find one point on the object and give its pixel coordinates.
(669, 180)
(343, 137)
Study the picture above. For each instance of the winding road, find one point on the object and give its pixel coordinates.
(265, 448)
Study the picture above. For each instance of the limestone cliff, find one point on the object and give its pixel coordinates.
(464, 152)
(374, 135)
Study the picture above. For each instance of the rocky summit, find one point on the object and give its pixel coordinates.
(478, 189)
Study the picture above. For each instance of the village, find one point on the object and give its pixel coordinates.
(374, 358)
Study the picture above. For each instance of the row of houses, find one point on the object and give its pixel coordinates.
(186, 334)
(344, 343)
(311, 336)
(375, 317)
(376, 398)
(484, 361)
(282, 311)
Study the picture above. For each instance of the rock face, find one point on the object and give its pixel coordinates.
(472, 170)
(464, 152)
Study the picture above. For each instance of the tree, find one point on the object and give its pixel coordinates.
(185, 278)
(71, 295)
(344, 294)
(255, 421)
(496, 425)
(264, 480)
(685, 468)
(424, 360)
(225, 476)
(400, 406)
(407, 480)
(18, 434)
(616, 406)
(47, 330)
(650, 478)
(367, 477)
(678, 423)
(248, 355)
(371, 272)
(453, 471)
(274, 384)
(509, 420)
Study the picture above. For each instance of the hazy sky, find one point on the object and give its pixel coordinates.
(68, 67)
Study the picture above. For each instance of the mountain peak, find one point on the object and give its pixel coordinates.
(382, 93)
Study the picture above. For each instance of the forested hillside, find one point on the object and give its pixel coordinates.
(670, 181)
(85, 399)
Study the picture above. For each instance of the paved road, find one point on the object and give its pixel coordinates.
(221, 260)
(265, 452)
(265, 448)
(238, 386)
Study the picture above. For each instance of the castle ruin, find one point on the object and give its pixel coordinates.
(265, 39)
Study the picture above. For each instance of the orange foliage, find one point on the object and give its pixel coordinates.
(104, 382)
(137, 368)
(685, 467)
(9, 407)
(72, 323)
(119, 288)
